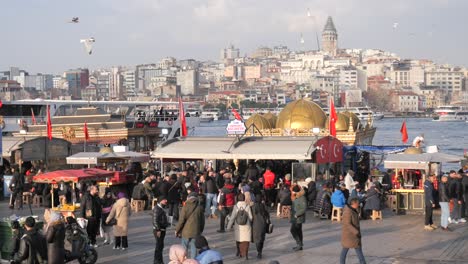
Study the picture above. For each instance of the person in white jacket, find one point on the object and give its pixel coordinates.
(349, 181)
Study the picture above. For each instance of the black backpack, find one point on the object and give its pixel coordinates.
(242, 217)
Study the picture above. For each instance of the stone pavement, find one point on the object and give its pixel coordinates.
(395, 240)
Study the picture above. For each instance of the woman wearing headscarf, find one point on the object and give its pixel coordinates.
(107, 202)
(55, 236)
(121, 212)
(177, 254)
(242, 231)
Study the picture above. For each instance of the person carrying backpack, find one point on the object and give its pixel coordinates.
(242, 217)
(33, 245)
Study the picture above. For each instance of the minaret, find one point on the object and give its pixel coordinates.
(330, 37)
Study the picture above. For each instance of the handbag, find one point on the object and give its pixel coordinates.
(112, 222)
(269, 228)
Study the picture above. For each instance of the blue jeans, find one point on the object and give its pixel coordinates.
(359, 253)
(211, 200)
(189, 245)
(444, 207)
(455, 215)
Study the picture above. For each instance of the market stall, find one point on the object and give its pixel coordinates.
(411, 169)
(73, 177)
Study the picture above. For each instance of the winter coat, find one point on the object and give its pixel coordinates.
(192, 219)
(252, 173)
(31, 245)
(209, 256)
(338, 199)
(17, 182)
(255, 188)
(298, 208)
(227, 196)
(349, 182)
(210, 185)
(323, 203)
(174, 191)
(285, 196)
(455, 189)
(269, 180)
(444, 193)
(121, 212)
(92, 204)
(259, 224)
(106, 205)
(56, 243)
(160, 222)
(311, 191)
(429, 193)
(242, 233)
(373, 199)
(351, 232)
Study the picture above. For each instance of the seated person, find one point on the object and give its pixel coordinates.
(338, 199)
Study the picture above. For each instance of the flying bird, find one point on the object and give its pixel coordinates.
(75, 20)
(88, 43)
(395, 25)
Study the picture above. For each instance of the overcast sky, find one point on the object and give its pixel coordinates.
(37, 37)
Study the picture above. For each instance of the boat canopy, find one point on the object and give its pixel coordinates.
(97, 157)
(261, 148)
(418, 161)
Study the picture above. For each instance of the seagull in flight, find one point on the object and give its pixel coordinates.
(88, 43)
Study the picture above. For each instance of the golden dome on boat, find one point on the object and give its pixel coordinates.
(105, 150)
(342, 124)
(413, 150)
(259, 121)
(301, 114)
(355, 118)
(271, 118)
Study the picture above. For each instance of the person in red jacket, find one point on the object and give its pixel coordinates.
(227, 200)
(269, 179)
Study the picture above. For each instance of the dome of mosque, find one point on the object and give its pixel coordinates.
(271, 119)
(301, 114)
(342, 124)
(259, 121)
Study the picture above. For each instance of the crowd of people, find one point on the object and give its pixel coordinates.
(188, 198)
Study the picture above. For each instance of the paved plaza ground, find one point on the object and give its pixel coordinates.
(396, 239)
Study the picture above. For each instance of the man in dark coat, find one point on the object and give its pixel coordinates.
(261, 218)
(464, 183)
(298, 215)
(55, 238)
(444, 201)
(91, 210)
(210, 189)
(174, 197)
(351, 232)
(430, 203)
(16, 188)
(33, 245)
(227, 200)
(160, 224)
(191, 224)
(252, 172)
(456, 197)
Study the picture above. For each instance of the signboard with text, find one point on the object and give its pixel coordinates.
(236, 127)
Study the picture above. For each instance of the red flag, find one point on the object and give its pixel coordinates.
(404, 132)
(333, 117)
(236, 114)
(85, 130)
(33, 117)
(49, 124)
(183, 122)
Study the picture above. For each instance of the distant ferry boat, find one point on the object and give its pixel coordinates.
(209, 115)
(361, 112)
(449, 113)
(248, 112)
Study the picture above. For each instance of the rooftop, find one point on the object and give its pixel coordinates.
(329, 26)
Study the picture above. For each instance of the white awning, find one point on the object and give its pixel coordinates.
(96, 157)
(265, 148)
(418, 161)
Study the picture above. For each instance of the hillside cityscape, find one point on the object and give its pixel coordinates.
(266, 77)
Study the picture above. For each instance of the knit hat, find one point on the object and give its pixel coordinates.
(201, 242)
(121, 195)
(445, 175)
(296, 188)
(288, 176)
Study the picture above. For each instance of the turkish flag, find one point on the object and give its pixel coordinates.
(49, 124)
(33, 117)
(85, 130)
(404, 132)
(333, 117)
(183, 122)
(236, 114)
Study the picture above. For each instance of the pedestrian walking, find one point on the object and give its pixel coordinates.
(174, 197)
(464, 183)
(33, 245)
(121, 213)
(242, 217)
(261, 218)
(269, 179)
(205, 254)
(456, 197)
(191, 223)
(211, 192)
(16, 188)
(106, 203)
(430, 203)
(227, 200)
(351, 231)
(55, 236)
(160, 224)
(444, 201)
(91, 210)
(298, 215)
